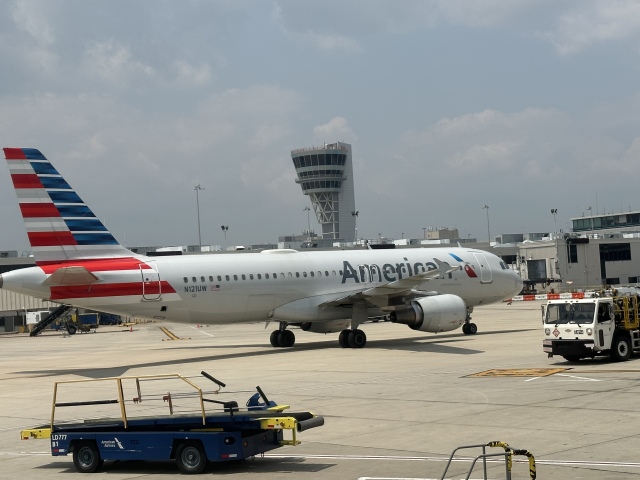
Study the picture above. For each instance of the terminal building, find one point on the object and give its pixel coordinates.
(326, 176)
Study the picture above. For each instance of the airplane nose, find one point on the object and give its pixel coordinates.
(518, 284)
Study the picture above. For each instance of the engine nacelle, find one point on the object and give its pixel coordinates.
(325, 327)
(440, 313)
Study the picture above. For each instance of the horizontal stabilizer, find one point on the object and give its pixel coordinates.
(70, 276)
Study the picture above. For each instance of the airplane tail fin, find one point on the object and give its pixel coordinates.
(60, 226)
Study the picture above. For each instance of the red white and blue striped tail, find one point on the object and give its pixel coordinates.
(60, 226)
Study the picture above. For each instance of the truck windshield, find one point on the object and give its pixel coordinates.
(570, 313)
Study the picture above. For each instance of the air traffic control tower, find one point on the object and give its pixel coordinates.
(326, 175)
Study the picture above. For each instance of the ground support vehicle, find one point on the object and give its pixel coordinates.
(576, 329)
(190, 437)
(507, 456)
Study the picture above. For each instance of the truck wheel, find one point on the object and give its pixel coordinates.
(620, 348)
(86, 457)
(190, 457)
(71, 329)
(571, 358)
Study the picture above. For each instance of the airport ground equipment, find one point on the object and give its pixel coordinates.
(507, 455)
(142, 429)
(576, 329)
(49, 319)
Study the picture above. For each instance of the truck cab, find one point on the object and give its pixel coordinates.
(585, 328)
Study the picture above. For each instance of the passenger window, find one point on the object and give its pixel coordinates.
(235, 277)
(211, 278)
(290, 275)
(202, 279)
(244, 277)
(251, 276)
(186, 280)
(226, 277)
(304, 274)
(219, 278)
(194, 279)
(266, 275)
(312, 274)
(297, 274)
(326, 273)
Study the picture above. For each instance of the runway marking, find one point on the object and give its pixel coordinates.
(519, 372)
(550, 462)
(171, 336)
(201, 331)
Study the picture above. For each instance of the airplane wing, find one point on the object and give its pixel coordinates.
(393, 289)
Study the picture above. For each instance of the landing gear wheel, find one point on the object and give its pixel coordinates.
(343, 339)
(86, 457)
(620, 348)
(274, 338)
(190, 457)
(357, 339)
(286, 338)
(469, 329)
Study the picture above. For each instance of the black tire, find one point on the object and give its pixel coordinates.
(465, 328)
(86, 457)
(72, 329)
(571, 358)
(473, 329)
(191, 458)
(286, 338)
(343, 339)
(357, 339)
(274, 338)
(621, 348)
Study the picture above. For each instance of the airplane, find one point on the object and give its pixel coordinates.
(79, 263)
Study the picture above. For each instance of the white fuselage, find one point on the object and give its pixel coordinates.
(269, 286)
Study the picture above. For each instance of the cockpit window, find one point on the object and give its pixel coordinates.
(570, 313)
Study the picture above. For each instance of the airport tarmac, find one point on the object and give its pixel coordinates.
(393, 410)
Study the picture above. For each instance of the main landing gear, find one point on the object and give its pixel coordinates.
(352, 338)
(282, 338)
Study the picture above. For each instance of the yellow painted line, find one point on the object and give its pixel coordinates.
(171, 336)
(519, 372)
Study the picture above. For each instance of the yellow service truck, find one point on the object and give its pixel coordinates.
(584, 328)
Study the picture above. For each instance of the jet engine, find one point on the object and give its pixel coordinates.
(325, 327)
(440, 313)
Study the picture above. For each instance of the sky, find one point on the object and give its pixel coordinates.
(449, 105)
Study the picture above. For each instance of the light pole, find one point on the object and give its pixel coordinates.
(486, 207)
(554, 211)
(225, 229)
(197, 188)
(354, 214)
(307, 209)
(424, 233)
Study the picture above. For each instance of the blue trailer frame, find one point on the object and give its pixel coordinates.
(191, 440)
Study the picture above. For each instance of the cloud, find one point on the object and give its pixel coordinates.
(337, 129)
(32, 17)
(322, 36)
(113, 62)
(190, 75)
(595, 22)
